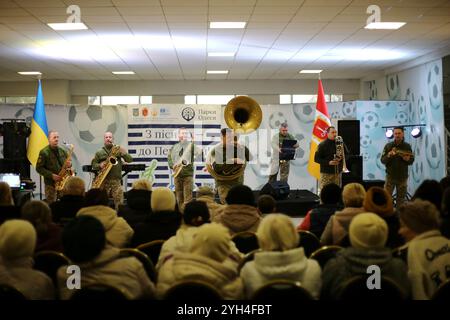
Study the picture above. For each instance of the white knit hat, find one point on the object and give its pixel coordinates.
(17, 239)
(368, 231)
(162, 199)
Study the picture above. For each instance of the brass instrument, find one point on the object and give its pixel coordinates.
(402, 153)
(340, 155)
(66, 171)
(244, 115)
(183, 161)
(110, 162)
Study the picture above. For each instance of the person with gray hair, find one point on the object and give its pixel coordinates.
(72, 200)
(280, 165)
(428, 253)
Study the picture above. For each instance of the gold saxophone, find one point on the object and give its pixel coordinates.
(66, 172)
(340, 154)
(110, 162)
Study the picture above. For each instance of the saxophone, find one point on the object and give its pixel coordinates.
(110, 162)
(340, 154)
(66, 172)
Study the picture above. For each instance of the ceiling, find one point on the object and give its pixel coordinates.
(170, 39)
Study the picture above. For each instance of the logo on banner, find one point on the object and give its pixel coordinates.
(135, 112)
(188, 113)
(144, 112)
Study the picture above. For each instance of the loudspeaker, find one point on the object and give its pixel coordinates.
(279, 190)
(349, 131)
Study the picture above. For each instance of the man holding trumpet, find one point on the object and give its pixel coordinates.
(397, 156)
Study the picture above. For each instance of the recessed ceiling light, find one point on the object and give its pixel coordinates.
(227, 25)
(123, 72)
(217, 71)
(385, 25)
(221, 54)
(67, 26)
(310, 71)
(29, 73)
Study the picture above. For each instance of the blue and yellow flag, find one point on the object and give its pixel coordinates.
(39, 130)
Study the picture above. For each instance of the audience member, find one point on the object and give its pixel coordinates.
(368, 235)
(84, 243)
(316, 219)
(137, 207)
(445, 214)
(429, 190)
(428, 254)
(206, 194)
(96, 197)
(17, 244)
(280, 258)
(7, 208)
(445, 183)
(240, 213)
(205, 262)
(38, 213)
(336, 229)
(72, 200)
(266, 204)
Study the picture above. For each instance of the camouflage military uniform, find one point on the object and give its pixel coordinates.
(112, 183)
(184, 182)
(50, 162)
(277, 164)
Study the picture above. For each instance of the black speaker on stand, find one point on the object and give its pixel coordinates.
(15, 133)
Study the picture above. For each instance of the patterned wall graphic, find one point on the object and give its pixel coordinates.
(421, 87)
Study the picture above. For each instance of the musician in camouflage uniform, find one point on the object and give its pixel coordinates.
(49, 164)
(113, 181)
(330, 166)
(277, 164)
(397, 156)
(184, 181)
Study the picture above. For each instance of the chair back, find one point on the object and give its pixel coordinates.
(99, 291)
(324, 254)
(357, 289)
(245, 241)
(143, 258)
(282, 290)
(152, 249)
(248, 257)
(193, 290)
(9, 293)
(443, 292)
(49, 262)
(309, 242)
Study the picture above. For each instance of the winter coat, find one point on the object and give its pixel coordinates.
(159, 225)
(352, 262)
(33, 284)
(337, 227)
(215, 208)
(50, 240)
(239, 218)
(8, 213)
(137, 207)
(317, 219)
(189, 266)
(118, 232)
(428, 263)
(66, 207)
(282, 265)
(125, 274)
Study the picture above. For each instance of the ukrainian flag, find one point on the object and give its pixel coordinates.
(39, 130)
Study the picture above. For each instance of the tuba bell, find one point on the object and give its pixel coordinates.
(243, 115)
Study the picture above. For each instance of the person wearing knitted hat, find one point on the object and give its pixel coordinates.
(207, 195)
(85, 244)
(205, 262)
(163, 221)
(336, 230)
(280, 258)
(379, 201)
(428, 253)
(368, 234)
(17, 243)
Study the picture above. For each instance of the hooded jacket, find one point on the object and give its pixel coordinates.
(66, 207)
(337, 227)
(352, 262)
(137, 207)
(117, 231)
(214, 208)
(190, 266)
(287, 265)
(239, 218)
(319, 217)
(125, 274)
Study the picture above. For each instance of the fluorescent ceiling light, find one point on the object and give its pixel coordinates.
(67, 26)
(29, 73)
(123, 72)
(310, 71)
(385, 25)
(221, 54)
(227, 25)
(217, 71)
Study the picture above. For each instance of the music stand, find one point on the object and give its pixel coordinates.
(287, 149)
